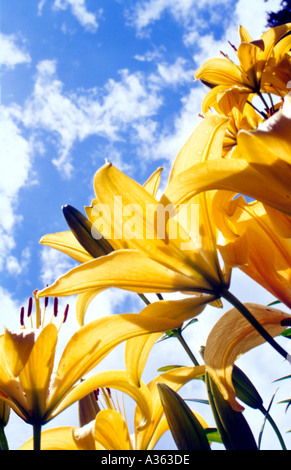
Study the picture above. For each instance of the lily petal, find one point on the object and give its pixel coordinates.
(111, 431)
(116, 379)
(205, 143)
(126, 269)
(36, 374)
(153, 182)
(138, 349)
(68, 244)
(91, 343)
(226, 343)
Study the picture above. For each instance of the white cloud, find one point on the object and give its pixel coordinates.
(53, 265)
(15, 171)
(71, 117)
(185, 12)
(12, 54)
(78, 9)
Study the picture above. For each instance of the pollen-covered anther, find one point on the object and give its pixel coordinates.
(66, 313)
(56, 304)
(29, 309)
(22, 316)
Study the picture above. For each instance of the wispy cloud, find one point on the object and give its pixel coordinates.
(188, 13)
(15, 170)
(12, 51)
(79, 10)
(107, 112)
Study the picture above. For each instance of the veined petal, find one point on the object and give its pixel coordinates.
(153, 182)
(10, 390)
(126, 269)
(68, 244)
(16, 348)
(36, 374)
(247, 54)
(205, 143)
(244, 35)
(271, 140)
(235, 174)
(138, 349)
(116, 379)
(226, 343)
(220, 72)
(157, 232)
(92, 342)
(83, 301)
(111, 431)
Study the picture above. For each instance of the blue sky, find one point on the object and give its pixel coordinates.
(85, 80)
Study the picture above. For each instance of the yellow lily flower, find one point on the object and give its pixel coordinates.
(110, 430)
(257, 239)
(37, 391)
(164, 254)
(68, 242)
(225, 344)
(255, 59)
(236, 107)
(261, 160)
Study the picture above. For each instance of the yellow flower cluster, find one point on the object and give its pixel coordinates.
(226, 205)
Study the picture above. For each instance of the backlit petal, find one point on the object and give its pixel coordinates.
(111, 431)
(68, 244)
(233, 336)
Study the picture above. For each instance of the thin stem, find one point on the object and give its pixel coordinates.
(254, 322)
(263, 100)
(177, 334)
(36, 436)
(145, 300)
(264, 115)
(275, 428)
(3, 440)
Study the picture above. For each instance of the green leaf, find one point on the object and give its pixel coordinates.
(186, 430)
(232, 425)
(167, 368)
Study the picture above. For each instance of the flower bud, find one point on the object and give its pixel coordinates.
(4, 413)
(81, 227)
(187, 431)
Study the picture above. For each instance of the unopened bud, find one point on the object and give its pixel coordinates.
(81, 227)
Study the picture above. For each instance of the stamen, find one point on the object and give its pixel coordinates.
(22, 316)
(46, 301)
(233, 46)
(66, 313)
(29, 310)
(37, 309)
(56, 303)
(96, 393)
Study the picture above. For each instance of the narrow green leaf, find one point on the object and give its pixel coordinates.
(232, 425)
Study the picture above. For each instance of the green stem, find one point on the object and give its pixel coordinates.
(36, 436)
(145, 300)
(3, 440)
(254, 322)
(263, 100)
(178, 335)
(275, 428)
